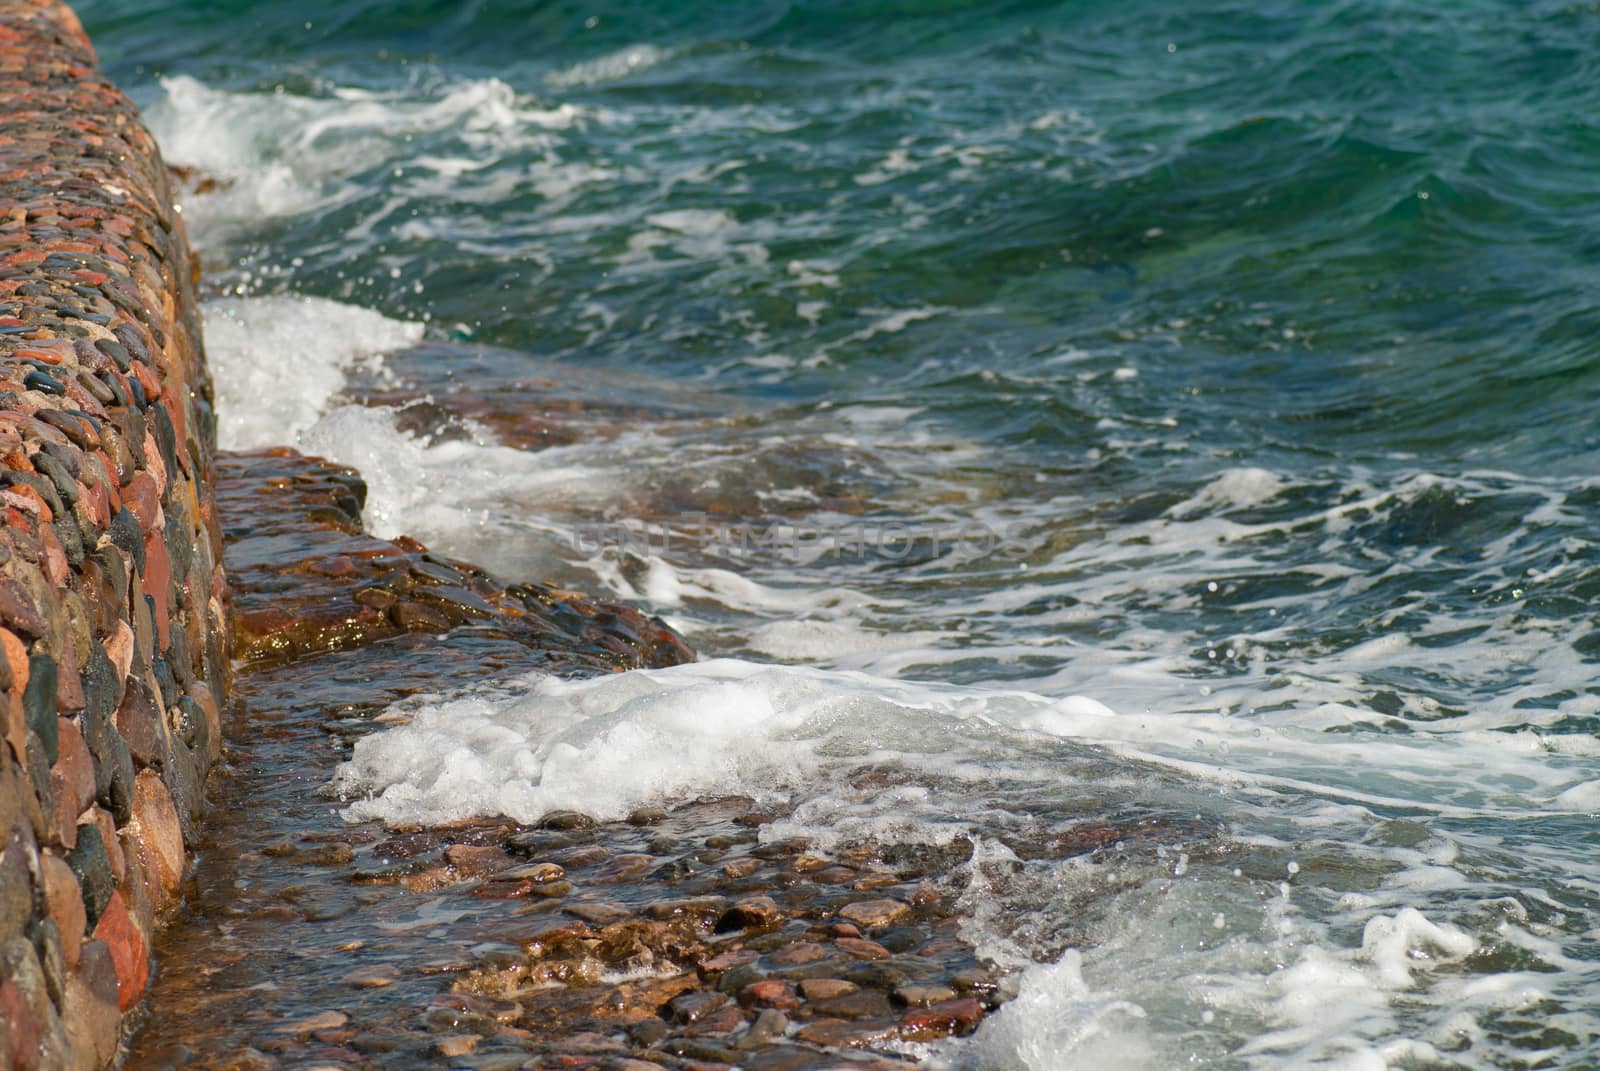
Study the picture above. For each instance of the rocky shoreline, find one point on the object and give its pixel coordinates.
(149, 585)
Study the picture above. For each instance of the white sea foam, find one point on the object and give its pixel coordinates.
(283, 154)
(279, 361)
(1297, 977)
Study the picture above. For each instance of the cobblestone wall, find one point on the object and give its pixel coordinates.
(113, 657)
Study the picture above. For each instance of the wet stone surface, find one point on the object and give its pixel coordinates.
(679, 938)
(306, 579)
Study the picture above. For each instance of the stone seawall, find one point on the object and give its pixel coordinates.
(112, 599)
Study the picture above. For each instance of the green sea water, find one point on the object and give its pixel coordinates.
(1267, 335)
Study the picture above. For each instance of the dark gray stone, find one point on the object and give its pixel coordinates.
(46, 937)
(166, 440)
(92, 866)
(126, 536)
(39, 703)
(39, 780)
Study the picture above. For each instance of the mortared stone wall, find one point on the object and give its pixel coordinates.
(113, 637)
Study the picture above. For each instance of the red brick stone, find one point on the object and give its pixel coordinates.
(142, 496)
(129, 952)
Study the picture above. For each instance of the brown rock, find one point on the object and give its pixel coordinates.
(538, 873)
(699, 908)
(129, 953)
(798, 954)
(73, 774)
(61, 826)
(119, 648)
(741, 868)
(90, 1008)
(20, 1033)
(16, 887)
(625, 869)
(457, 1044)
(694, 1006)
(816, 989)
(472, 860)
(863, 1004)
(719, 1023)
(862, 949)
(874, 913)
(14, 731)
(326, 1020)
(158, 835)
(845, 1034)
(834, 875)
(157, 583)
(772, 993)
(597, 913)
(752, 912)
(144, 500)
(378, 977)
(107, 825)
(922, 996)
(139, 721)
(64, 901)
(724, 962)
(15, 653)
(958, 1017)
(502, 889)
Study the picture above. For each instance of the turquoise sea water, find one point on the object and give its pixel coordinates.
(1232, 366)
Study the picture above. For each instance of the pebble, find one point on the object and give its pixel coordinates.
(922, 996)
(374, 977)
(750, 913)
(597, 913)
(818, 989)
(325, 1020)
(874, 913)
(862, 949)
(769, 994)
(457, 1044)
(959, 1017)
